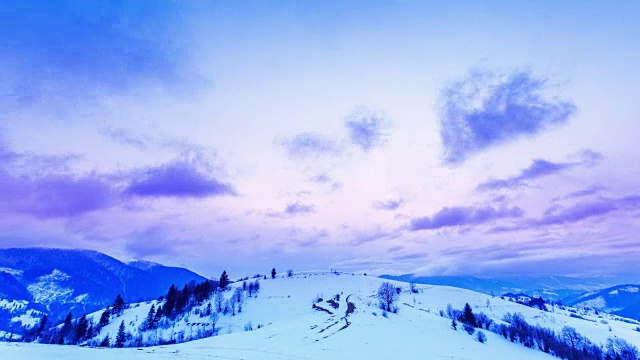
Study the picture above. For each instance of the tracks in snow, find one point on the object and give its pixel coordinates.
(351, 307)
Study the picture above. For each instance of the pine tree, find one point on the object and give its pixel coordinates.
(224, 280)
(81, 329)
(43, 323)
(468, 317)
(150, 317)
(105, 342)
(118, 305)
(104, 318)
(66, 328)
(120, 338)
(273, 273)
(170, 303)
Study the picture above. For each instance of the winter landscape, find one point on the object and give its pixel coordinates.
(319, 180)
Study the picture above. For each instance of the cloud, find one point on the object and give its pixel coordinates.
(125, 137)
(56, 49)
(180, 178)
(486, 109)
(310, 145)
(539, 168)
(557, 215)
(365, 128)
(592, 190)
(296, 208)
(324, 179)
(293, 209)
(154, 240)
(389, 205)
(464, 216)
(54, 196)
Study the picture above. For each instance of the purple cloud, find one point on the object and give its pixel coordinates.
(296, 208)
(54, 196)
(309, 145)
(180, 178)
(592, 190)
(152, 241)
(486, 109)
(558, 215)
(463, 216)
(365, 128)
(293, 209)
(125, 137)
(539, 168)
(389, 205)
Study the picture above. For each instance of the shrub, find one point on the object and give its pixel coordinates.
(387, 295)
(468, 328)
(481, 337)
(248, 326)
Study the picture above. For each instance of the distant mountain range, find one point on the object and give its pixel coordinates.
(623, 300)
(595, 293)
(548, 287)
(37, 281)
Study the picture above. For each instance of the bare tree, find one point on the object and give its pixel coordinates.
(387, 295)
(219, 301)
(214, 320)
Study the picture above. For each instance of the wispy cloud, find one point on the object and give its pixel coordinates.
(310, 145)
(539, 168)
(180, 178)
(293, 209)
(389, 205)
(487, 108)
(557, 215)
(55, 196)
(125, 137)
(464, 216)
(365, 126)
(591, 190)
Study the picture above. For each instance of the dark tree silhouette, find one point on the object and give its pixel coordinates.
(387, 295)
(273, 273)
(468, 317)
(104, 318)
(120, 338)
(118, 305)
(224, 280)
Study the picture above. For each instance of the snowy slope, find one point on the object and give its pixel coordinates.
(623, 300)
(291, 329)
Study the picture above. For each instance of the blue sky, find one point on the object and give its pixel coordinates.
(387, 137)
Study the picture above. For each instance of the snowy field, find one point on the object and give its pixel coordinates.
(292, 329)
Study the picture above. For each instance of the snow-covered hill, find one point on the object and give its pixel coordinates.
(282, 323)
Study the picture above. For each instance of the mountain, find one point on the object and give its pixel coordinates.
(623, 300)
(322, 315)
(37, 281)
(547, 287)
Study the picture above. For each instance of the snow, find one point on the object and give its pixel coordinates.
(26, 319)
(11, 271)
(291, 329)
(47, 291)
(597, 303)
(13, 304)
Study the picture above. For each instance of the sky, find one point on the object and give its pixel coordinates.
(436, 138)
